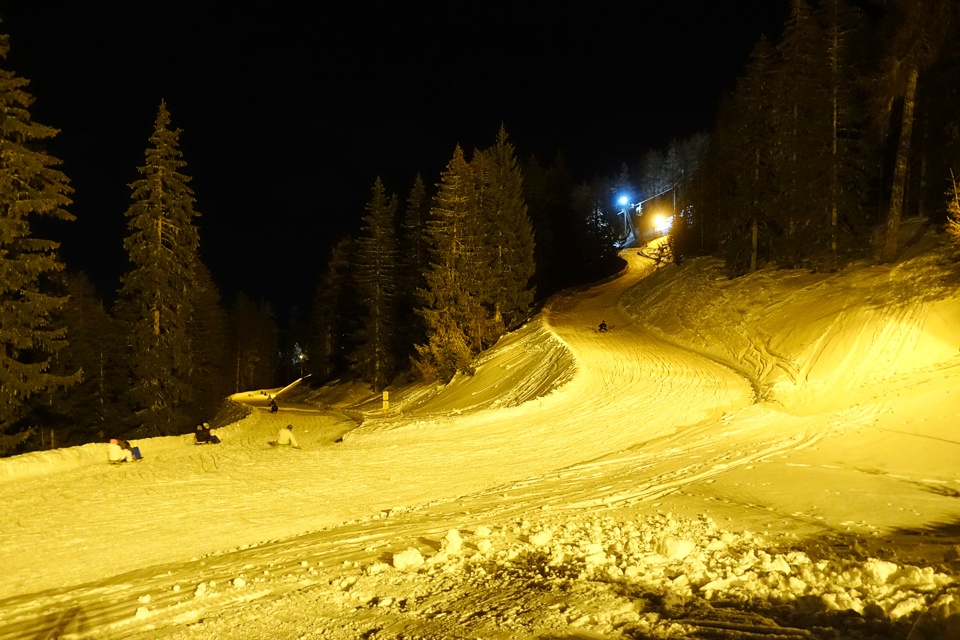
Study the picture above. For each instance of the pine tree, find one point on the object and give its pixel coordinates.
(255, 344)
(158, 294)
(81, 413)
(751, 192)
(953, 212)
(333, 315)
(449, 298)
(478, 269)
(376, 278)
(801, 124)
(596, 230)
(413, 258)
(923, 27)
(547, 193)
(847, 152)
(208, 329)
(30, 186)
(294, 363)
(509, 238)
(687, 193)
(413, 251)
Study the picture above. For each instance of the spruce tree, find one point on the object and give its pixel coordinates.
(81, 413)
(923, 27)
(30, 186)
(508, 237)
(376, 278)
(478, 266)
(846, 168)
(953, 213)
(208, 330)
(413, 259)
(547, 193)
(449, 297)
(749, 165)
(334, 315)
(158, 294)
(255, 344)
(413, 251)
(595, 231)
(801, 121)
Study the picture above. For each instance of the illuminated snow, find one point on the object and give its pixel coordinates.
(701, 451)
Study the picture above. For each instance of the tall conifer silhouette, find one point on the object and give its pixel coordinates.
(509, 237)
(30, 186)
(449, 298)
(157, 295)
(376, 277)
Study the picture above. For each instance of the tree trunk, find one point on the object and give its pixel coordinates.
(834, 155)
(889, 252)
(755, 227)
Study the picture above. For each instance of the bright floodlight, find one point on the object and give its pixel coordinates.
(662, 223)
(623, 200)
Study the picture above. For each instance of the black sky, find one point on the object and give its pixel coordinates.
(289, 113)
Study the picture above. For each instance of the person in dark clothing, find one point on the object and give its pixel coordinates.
(273, 406)
(603, 326)
(205, 436)
(134, 451)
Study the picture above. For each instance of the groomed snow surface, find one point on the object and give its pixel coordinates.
(776, 456)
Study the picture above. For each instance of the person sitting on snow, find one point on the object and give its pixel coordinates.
(286, 438)
(133, 451)
(273, 406)
(603, 326)
(116, 453)
(205, 436)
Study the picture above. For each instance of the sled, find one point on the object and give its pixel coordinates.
(273, 444)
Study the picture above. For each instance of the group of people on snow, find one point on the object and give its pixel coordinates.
(121, 451)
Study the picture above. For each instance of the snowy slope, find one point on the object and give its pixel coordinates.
(768, 442)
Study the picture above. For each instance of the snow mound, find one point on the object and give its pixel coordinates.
(797, 334)
(40, 463)
(651, 576)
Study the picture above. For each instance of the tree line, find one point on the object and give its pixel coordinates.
(829, 138)
(420, 291)
(431, 281)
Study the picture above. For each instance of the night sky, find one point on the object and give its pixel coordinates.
(288, 114)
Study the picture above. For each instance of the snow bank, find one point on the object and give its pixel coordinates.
(643, 575)
(683, 558)
(803, 332)
(39, 463)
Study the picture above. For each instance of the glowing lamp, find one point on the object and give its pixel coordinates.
(662, 223)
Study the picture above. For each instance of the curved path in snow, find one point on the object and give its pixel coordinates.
(637, 420)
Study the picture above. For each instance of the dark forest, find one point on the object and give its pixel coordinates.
(837, 131)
